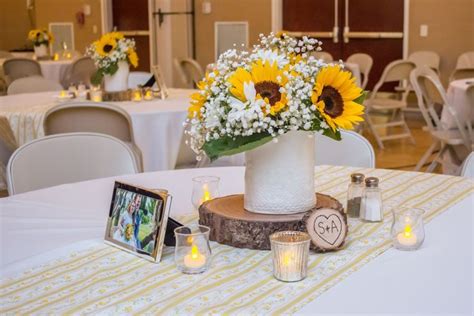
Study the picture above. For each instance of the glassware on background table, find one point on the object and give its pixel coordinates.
(137, 94)
(148, 94)
(408, 231)
(371, 204)
(95, 94)
(192, 251)
(205, 188)
(290, 251)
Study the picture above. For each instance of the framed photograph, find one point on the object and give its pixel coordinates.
(137, 220)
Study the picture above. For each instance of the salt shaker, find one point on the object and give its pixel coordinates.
(354, 195)
(371, 204)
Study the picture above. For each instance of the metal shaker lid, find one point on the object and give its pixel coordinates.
(357, 178)
(371, 182)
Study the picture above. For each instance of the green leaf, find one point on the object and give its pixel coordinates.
(227, 146)
(96, 78)
(336, 135)
(361, 98)
(112, 69)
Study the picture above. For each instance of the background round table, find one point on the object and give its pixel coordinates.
(459, 100)
(55, 70)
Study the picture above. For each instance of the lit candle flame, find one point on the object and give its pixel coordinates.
(194, 252)
(407, 231)
(207, 194)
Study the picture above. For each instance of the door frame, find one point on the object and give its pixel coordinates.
(277, 21)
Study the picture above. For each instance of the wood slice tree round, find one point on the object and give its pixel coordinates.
(232, 225)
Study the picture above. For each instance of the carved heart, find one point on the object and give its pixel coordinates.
(328, 228)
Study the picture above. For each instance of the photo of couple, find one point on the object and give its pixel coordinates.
(135, 220)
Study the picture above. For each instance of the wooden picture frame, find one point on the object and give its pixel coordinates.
(137, 220)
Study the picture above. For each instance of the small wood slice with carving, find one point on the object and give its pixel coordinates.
(327, 228)
(232, 225)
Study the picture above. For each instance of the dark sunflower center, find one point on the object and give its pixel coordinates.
(333, 102)
(269, 90)
(108, 48)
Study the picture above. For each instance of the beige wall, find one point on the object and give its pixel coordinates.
(256, 12)
(65, 11)
(450, 29)
(14, 24)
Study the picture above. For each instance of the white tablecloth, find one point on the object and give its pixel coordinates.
(458, 99)
(55, 70)
(157, 124)
(438, 278)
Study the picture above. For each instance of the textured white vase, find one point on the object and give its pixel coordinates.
(119, 80)
(279, 177)
(41, 51)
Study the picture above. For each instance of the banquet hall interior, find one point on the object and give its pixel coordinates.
(302, 145)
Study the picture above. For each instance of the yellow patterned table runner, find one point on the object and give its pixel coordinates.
(103, 279)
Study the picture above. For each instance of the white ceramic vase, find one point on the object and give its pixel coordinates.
(119, 80)
(41, 51)
(279, 176)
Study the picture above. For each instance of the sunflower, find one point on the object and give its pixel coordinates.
(333, 94)
(133, 57)
(105, 45)
(263, 81)
(128, 231)
(199, 98)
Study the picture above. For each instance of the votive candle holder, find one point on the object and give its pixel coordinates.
(192, 251)
(290, 250)
(205, 188)
(408, 232)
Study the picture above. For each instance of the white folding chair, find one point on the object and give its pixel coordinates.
(324, 56)
(467, 169)
(139, 78)
(68, 158)
(190, 71)
(33, 84)
(16, 68)
(465, 60)
(352, 150)
(430, 92)
(81, 70)
(365, 62)
(91, 117)
(395, 71)
(425, 58)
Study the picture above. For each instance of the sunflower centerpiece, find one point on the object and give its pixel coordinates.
(268, 103)
(113, 54)
(41, 39)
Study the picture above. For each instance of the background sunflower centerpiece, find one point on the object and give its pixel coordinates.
(268, 103)
(41, 39)
(113, 54)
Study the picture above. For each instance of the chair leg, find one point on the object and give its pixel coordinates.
(406, 128)
(425, 156)
(373, 131)
(435, 162)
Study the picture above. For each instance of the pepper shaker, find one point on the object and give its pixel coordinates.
(354, 195)
(371, 204)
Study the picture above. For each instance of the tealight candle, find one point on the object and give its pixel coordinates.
(407, 229)
(192, 251)
(205, 188)
(137, 95)
(96, 95)
(63, 94)
(194, 259)
(148, 94)
(56, 57)
(407, 238)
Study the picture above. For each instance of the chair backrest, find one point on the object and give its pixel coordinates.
(396, 71)
(136, 78)
(425, 58)
(33, 84)
(467, 169)
(429, 92)
(16, 68)
(365, 62)
(325, 56)
(463, 73)
(67, 158)
(81, 70)
(89, 117)
(352, 150)
(465, 60)
(192, 70)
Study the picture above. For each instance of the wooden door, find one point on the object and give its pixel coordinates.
(360, 26)
(131, 18)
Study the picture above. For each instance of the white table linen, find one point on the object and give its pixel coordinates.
(157, 124)
(435, 279)
(458, 99)
(55, 70)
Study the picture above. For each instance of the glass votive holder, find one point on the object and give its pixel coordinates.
(192, 251)
(408, 232)
(95, 94)
(290, 251)
(137, 95)
(205, 188)
(148, 94)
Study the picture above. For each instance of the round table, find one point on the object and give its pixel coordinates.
(45, 234)
(55, 70)
(157, 124)
(459, 100)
